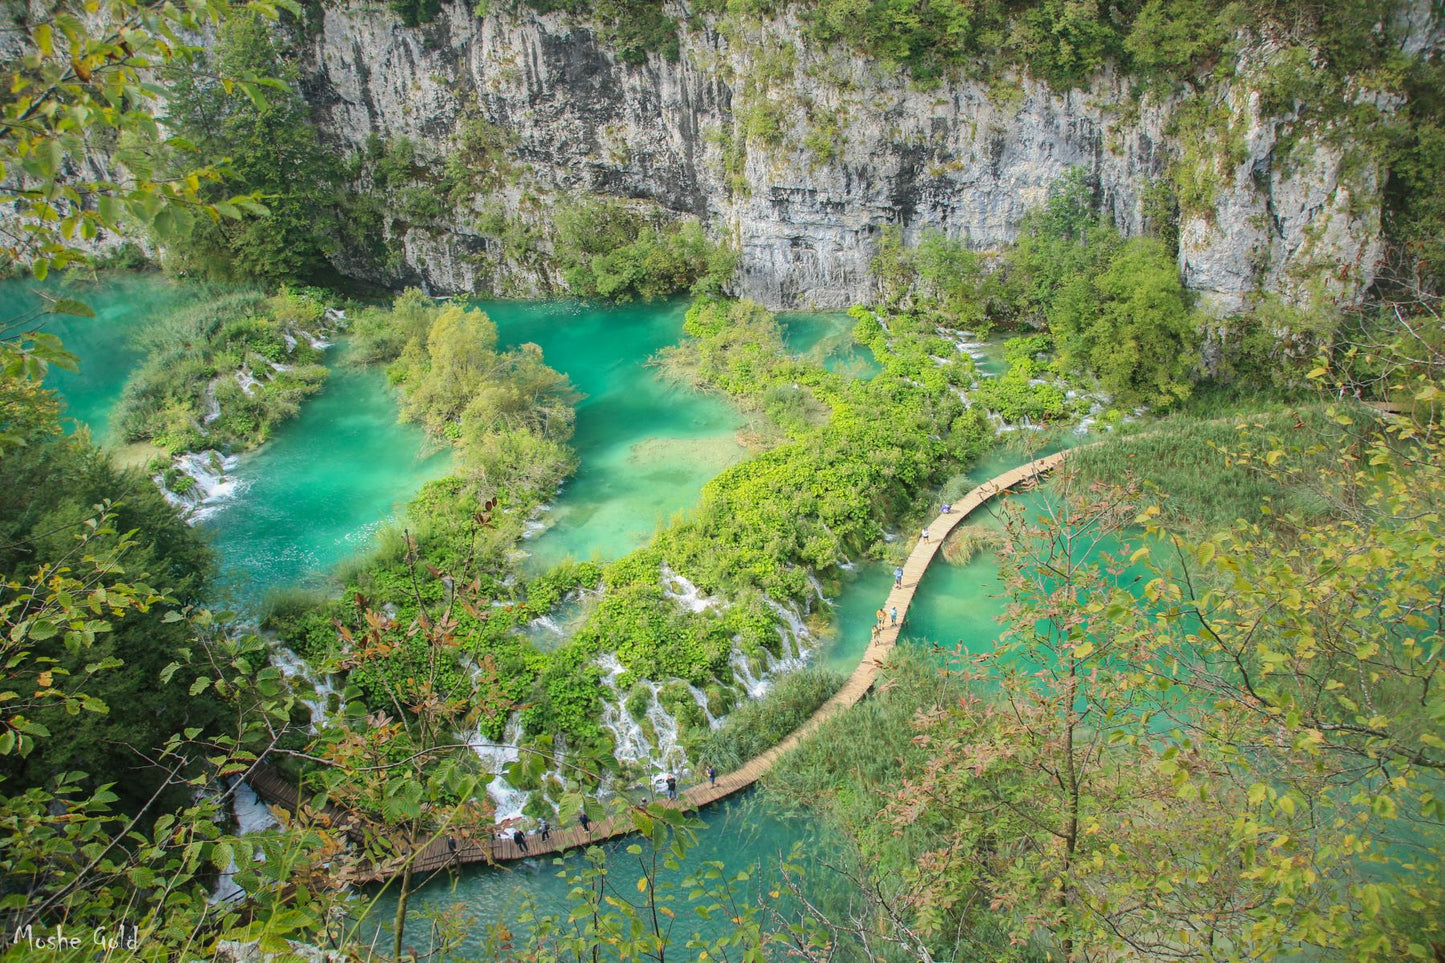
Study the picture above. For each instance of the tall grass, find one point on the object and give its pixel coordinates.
(1194, 466)
(757, 726)
(847, 769)
(965, 543)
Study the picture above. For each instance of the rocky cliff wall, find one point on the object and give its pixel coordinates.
(802, 156)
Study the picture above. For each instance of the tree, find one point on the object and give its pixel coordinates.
(1210, 745)
(81, 150)
(266, 145)
(1130, 325)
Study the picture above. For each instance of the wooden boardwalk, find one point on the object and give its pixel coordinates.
(439, 853)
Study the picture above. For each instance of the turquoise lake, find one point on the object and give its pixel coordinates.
(318, 491)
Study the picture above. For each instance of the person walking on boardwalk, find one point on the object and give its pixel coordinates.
(893, 614)
(544, 830)
(946, 509)
(925, 536)
(881, 617)
(897, 579)
(520, 838)
(711, 775)
(585, 822)
(671, 786)
(451, 849)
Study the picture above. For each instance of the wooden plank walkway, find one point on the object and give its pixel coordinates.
(438, 854)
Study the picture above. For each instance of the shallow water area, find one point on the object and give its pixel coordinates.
(105, 345)
(745, 833)
(645, 448)
(828, 337)
(319, 490)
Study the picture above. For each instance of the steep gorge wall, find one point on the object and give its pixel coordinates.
(802, 156)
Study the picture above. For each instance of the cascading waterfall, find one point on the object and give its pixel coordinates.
(507, 800)
(247, 381)
(210, 471)
(684, 593)
(294, 667)
(213, 404)
(252, 816)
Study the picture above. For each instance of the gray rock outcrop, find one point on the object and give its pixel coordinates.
(801, 156)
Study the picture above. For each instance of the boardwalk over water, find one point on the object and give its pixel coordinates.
(438, 854)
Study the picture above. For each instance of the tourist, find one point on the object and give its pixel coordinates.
(711, 775)
(946, 508)
(881, 617)
(925, 536)
(545, 830)
(893, 614)
(897, 577)
(520, 838)
(671, 786)
(586, 823)
(451, 849)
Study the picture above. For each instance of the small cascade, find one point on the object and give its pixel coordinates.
(247, 381)
(633, 743)
(534, 525)
(252, 816)
(294, 667)
(279, 368)
(507, 800)
(700, 697)
(753, 685)
(793, 630)
(684, 593)
(545, 624)
(817, 587)
(966, 343)
(212, 484)
(213, 404)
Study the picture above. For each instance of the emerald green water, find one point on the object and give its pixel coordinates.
(646, 448)
(828, 338)
(320, 489)
(745, 833)
(105, 345)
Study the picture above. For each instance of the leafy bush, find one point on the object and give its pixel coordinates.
(608, 250)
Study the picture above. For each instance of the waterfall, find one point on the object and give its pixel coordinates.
(247, 381)
(252, 816)
(633, 743)
(507, 800)
(213, 404)
(684, 593)
(293, 667)
(210, 473)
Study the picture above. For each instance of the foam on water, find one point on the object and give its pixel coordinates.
(214, 480)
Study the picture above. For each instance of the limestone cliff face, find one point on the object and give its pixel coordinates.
(802, 156)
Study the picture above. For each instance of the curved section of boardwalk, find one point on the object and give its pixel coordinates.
(439, 854)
